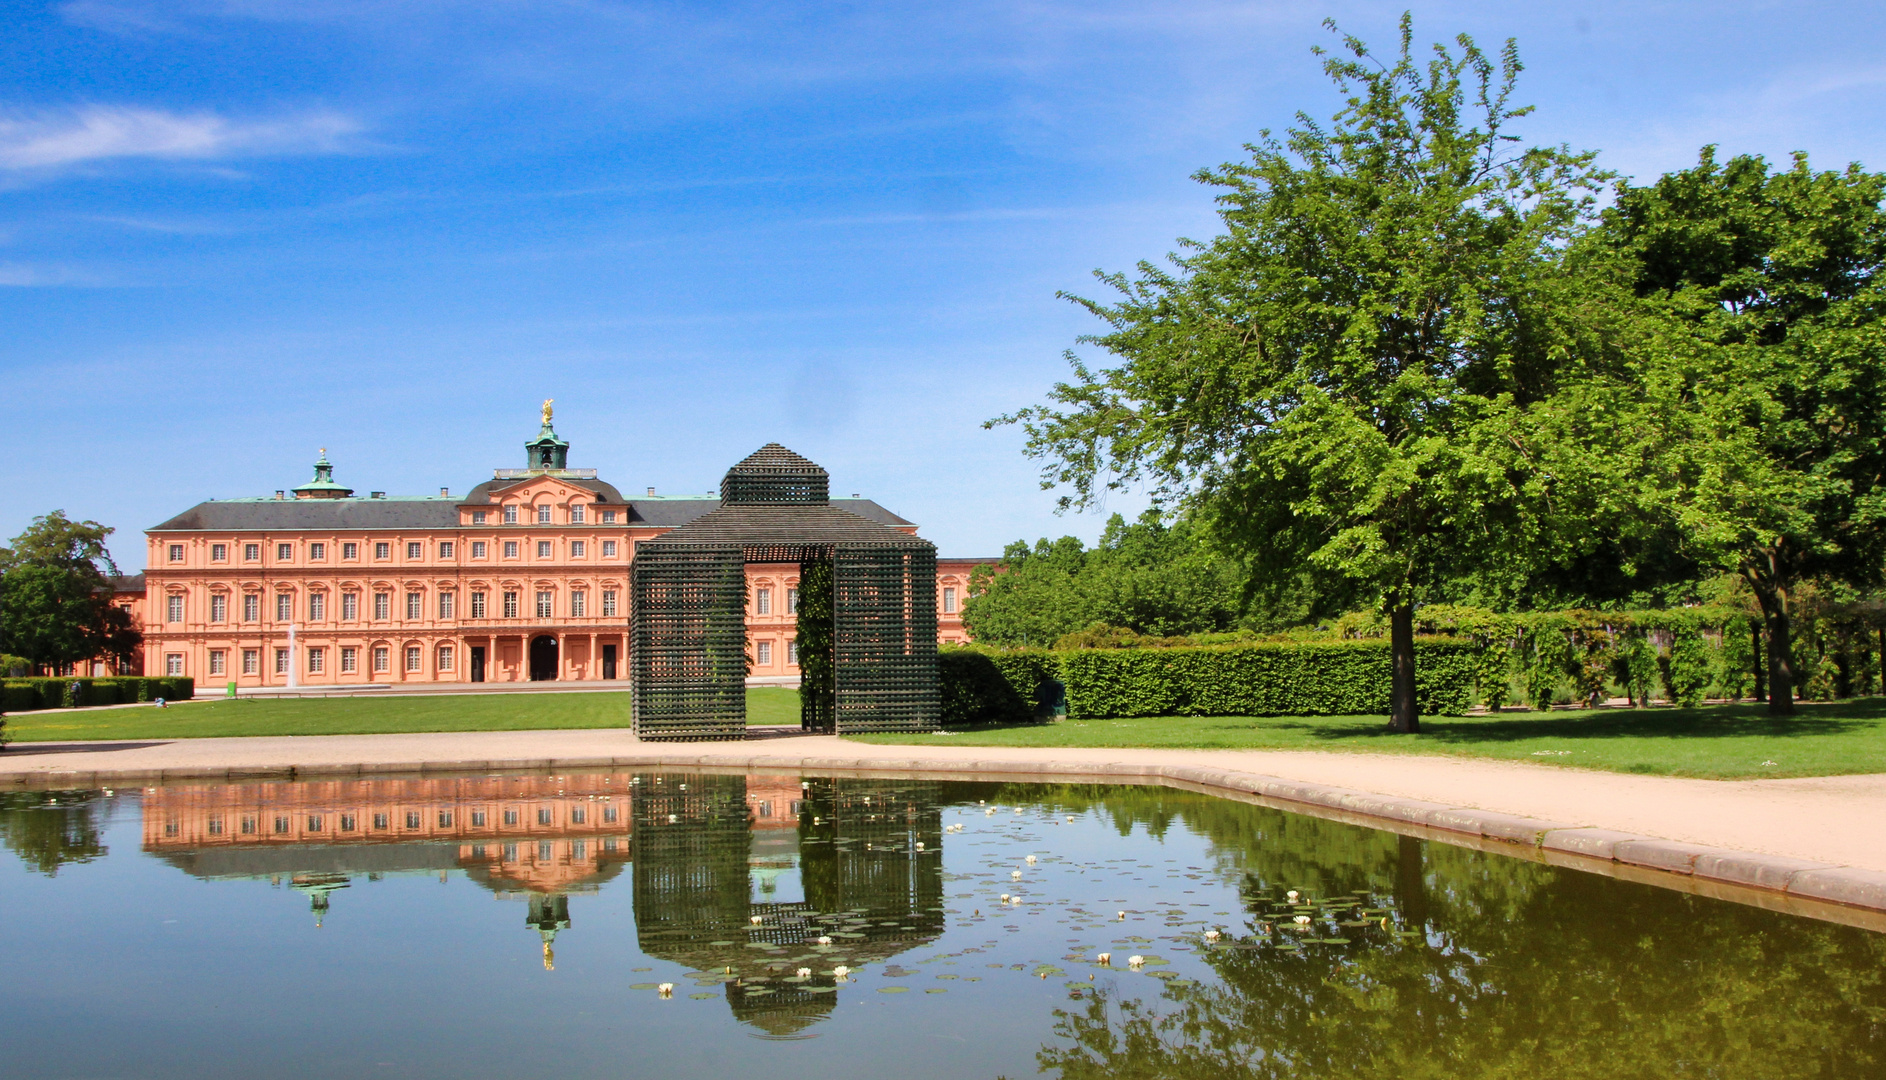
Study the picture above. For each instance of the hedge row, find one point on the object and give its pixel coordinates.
(24, 695)
(1264, 679)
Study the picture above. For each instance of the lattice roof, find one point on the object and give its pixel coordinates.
(774, 475)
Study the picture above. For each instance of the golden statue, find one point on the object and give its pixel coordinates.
(547, 402)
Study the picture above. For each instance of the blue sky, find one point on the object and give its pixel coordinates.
(234, 231)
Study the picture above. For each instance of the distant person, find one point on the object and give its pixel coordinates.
(162, 704)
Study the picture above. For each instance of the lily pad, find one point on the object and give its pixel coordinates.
(642, 986)
(893, 989)
(937, 990)
(703, 997)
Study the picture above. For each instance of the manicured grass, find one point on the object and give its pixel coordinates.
(1714, 742)
(361, 715)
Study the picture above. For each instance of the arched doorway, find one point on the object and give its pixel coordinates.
(543, 659)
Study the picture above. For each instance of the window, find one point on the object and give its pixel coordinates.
(478, 819)
(350, 551)
(608, 517)
(251, 552)
(317, 551)
(579, 850)
(478, 549)
(317, 607)
(609, 602)
(219, 609)
(379, 821)
(543, 605)
(763, 654)
(350, 606)
(382, 605)
(251, 607)
(219, 552)
(543, 817)
(543, 549)
(608, 549)
(281, 661)
(447, 602)
(510, 514)
(478, 517)
(577, 549)
(349, 823)
(579, 603)
(510, 853)
(576, 513)
(251, 662)
(949, 600)
(350, 660)
(248, 825)
(792, 601)
(383, 550)
(445, 819)
(478, 605)
(412, 819)
(314, 823)
(609, 815)
(413, 657)
(510, 818)
(219, 662)
(510, 549)
(284, 552)
(379, 658)
(173, 609)
(510, 605)
(216, 826)
(445, 658)
(543, 514)
(412, 605)
(445, 549)
(792, 653)
(281, 824)
(415, 550)
(176, 553)
(763, 601)
(317, 660)
(284, 607)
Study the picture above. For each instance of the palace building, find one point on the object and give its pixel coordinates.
(525, 577)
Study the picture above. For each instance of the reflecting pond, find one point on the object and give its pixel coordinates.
(820, 927)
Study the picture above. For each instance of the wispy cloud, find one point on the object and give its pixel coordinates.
(25, 275)
(54, 139)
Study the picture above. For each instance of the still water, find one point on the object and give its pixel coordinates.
(513, 926)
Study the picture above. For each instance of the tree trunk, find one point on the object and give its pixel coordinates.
(1780, 651)
(1402, 716)
(1761, 673)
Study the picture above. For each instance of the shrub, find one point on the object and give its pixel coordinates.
(1270, 679)
(177, 687)
(19, 697)
(1688, 672)
(983, 686)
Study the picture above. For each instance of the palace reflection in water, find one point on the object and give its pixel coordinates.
(736, 877)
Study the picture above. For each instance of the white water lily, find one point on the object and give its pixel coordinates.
(666, 989)
(1030, 860)
(1212, 935)
(805, 973)
(919, 845)
(824, 939)
(673, 818)
(841, 971)
(1070, 819)
(1135, 961)
(1302, 920)
(1122, 915)
(1292, 895)
(1103, 958)
(755, 919)
(990, 812)
(1014, 873)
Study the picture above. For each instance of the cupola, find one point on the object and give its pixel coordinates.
(547, 453)
(323, 485)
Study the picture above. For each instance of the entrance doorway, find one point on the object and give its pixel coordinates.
(608, 661)
(478, 663)
(543, 659)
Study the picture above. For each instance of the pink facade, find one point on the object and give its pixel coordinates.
(525, 578)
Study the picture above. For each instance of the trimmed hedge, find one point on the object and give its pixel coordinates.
(23, 695)
(1263, 679)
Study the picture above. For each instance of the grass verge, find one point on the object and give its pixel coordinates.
(1718, 742)
(361, 716)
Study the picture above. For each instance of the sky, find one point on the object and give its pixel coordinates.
(233, 232)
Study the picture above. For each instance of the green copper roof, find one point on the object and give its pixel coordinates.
(323, 482)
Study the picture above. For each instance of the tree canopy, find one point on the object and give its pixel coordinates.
(55, 594)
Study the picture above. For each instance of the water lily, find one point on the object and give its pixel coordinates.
(1292, 895)
(805, 973)
(755, 919)
(1030, 860)
(673, 818)
(666, 989)
(824, 939)
(1135, 961)
(919, 845)
(841, 971)
(1103, 958)
(1302, 920)
(1212, 935)
(1122, 915)
(1014, 873)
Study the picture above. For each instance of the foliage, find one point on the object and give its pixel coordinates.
(55, 594)
(1333, 380)
(1147, 577)
(987, 686)
(50, 829)
(67, 692)
(818, 692)
(1750, 389)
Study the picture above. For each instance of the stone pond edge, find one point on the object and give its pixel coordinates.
(1559, 842)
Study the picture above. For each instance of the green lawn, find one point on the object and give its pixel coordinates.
(1715, 742)
(362, 715)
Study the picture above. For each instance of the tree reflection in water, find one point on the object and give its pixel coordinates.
(48, 829)
(1488, 967)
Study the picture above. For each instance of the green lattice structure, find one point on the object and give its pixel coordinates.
(688, 644)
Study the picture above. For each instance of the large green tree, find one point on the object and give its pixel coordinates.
(1333, 382)
(55, 594)
(1753, 403)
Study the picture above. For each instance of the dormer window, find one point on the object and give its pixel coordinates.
(608, 517)
(478, 517)
(510, 514)
(576, 513)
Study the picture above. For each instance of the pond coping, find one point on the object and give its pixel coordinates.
(1843, 894)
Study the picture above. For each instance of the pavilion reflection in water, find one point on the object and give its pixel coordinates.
(736, 877)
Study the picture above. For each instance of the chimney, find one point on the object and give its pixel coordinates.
(854, 494)
(651, 491)
(445, 493)
(376, 495)
(280, 494)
